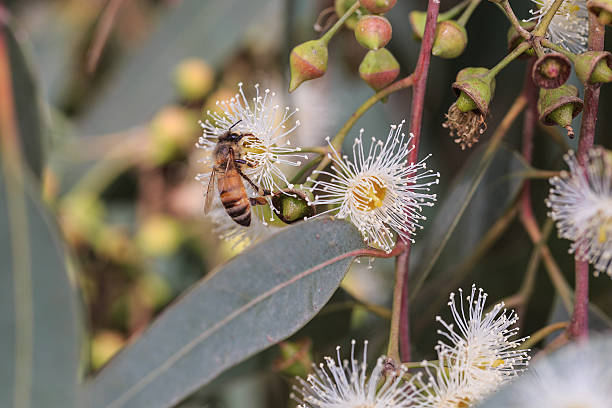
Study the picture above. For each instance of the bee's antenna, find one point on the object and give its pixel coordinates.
(231, 127)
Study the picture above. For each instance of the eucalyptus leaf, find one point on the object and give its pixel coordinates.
(27, 104)
(207, 29)
(257, 299)
(39, 319)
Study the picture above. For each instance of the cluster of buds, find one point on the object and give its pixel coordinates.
(373, 31)
(558, 103)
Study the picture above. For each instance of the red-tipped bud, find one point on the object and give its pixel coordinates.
(379, 68)
(450, 41)
(373, 32)
(342, 6)
(308, 61)
(551, 70)
(378, 6)
(594, 67)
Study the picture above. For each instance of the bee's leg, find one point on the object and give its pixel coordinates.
(259, 190)
(258, 200)
(241, 161)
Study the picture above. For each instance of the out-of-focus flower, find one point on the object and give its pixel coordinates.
(483, 342)
(580, 202)
(265, 146)
(569, 27)
(446, 385)
(345, 384)
(578, 375)
(379, 193)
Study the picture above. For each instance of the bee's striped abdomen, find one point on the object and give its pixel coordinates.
(234, 198)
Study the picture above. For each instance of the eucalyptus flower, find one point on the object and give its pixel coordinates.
(580, 202)
(265, 147)
(569, 27)
(380, 193)
(346, 384)
(485, 343)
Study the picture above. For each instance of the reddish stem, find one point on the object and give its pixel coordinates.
(579, 327)
(416, 119)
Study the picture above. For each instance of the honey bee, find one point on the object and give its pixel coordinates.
(227, 170)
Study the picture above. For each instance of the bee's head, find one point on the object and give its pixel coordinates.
(231, 135)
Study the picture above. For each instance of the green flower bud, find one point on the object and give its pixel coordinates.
(308, 61)
(193, 79)
(104, 345)
(379, 68)
(342, 6)
(373, 32)
(475, 84)
(602, 9)
(292, 206)
(559, 106)
(378, 6)
(417, 21)
(551, 70)
(450, 40)
(594, 66)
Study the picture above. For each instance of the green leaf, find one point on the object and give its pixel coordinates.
(205, 29)
(28, 105)
(257, 299)
(39, 319)
(478, 196)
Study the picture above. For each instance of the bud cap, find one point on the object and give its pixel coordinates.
(379, 68)
(450, 40)
(378, 6)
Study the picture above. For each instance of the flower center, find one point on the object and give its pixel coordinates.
(254, 150)
(369, 193)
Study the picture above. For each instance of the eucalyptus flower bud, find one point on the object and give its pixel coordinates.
(373, 32)
(602, 9)
(172, 130)
(193, 79)
(379, 68)
(594, 66)
(292, 205)
(308, 61)
(450, 40)
(551, 70)
(466, 117)
(378, 6)
(417, 21)
(559, 106)
(342, 6)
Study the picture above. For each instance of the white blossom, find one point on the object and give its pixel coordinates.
(346, 384)
(265, 146)
(569, 27)
(379, 193)
(580, 202)
(483, 342)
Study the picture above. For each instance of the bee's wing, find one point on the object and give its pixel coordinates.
(229, 166)
(210, 192)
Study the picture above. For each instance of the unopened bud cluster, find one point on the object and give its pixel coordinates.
(372, 30)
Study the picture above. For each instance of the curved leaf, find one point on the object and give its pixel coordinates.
(27, 104)
(257, 299)
(39, 320)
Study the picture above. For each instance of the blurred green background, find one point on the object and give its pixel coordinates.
(122, 85)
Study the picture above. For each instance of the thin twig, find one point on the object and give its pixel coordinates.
(416, 120)
(102, 33)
